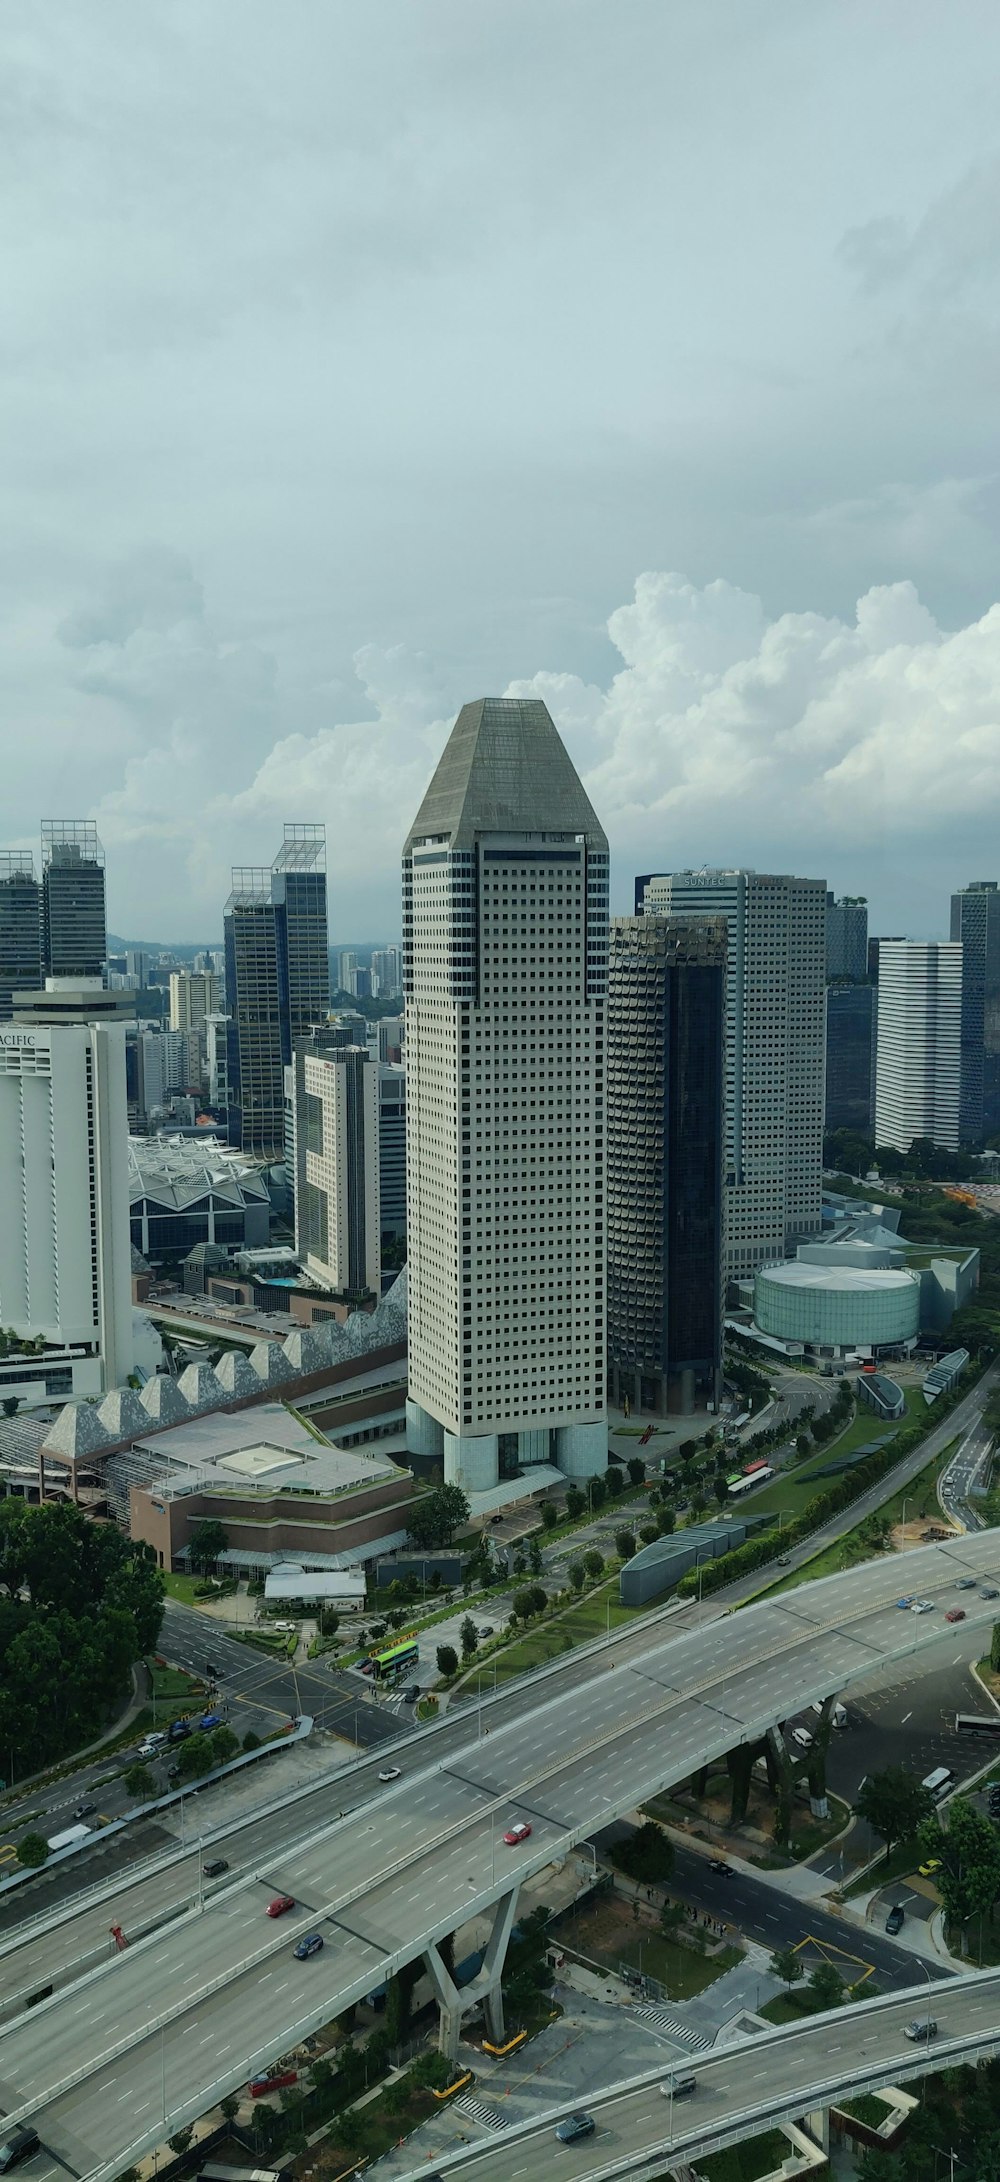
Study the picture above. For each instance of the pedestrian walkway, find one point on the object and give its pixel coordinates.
(668, 2025)
(489, 2117)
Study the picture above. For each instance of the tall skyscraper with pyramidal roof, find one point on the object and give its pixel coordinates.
(505, 941)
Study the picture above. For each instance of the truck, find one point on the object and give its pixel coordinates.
(69, 1840)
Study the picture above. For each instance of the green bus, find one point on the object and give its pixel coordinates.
(394, 1659)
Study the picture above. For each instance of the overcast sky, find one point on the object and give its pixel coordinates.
(363, 356)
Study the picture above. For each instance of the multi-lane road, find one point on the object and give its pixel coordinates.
(745, 2088)
(159, 2032)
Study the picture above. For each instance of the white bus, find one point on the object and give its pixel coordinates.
(741, 1485)
(938, 1783)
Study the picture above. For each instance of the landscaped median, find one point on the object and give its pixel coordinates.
(823, 1506)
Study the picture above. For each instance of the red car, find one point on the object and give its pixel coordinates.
(955, 1613)
(279, 1905)
(517, 1833)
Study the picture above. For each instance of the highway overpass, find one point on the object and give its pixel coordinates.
(744, 2089)
(130, 2050)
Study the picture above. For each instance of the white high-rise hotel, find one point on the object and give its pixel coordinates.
(918, 1075)
(505, 936)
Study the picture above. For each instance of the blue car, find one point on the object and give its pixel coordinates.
(574, 2127)
(903, 1604)
(309, 1946)
(210, 1719)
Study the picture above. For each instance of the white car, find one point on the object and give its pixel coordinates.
(390, 1772)
(151, 1747)
(922, 1606)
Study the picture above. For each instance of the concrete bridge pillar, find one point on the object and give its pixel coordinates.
(455, 2002)
(817, 2126)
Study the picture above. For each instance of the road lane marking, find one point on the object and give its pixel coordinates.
(906, 1716)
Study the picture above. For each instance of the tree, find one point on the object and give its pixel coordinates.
(195, 1757)
(139, 1782)
(539, 1598)
(577, 1573)
(624, 1544)
(801, 1444)
(666, 1523)
(575, 1503)
(636, 1470)
(470, 1637)
(549, 1514)
(207, 1543)
(826, 1986)
(721, 1491)
(434, 1520)
(251, 1741)
(786, 1964)
(687, 1450)
(598, 1493)
(614, 1480)
(229, 2106)
(534, 1557)
(895, 1803)
(593, 1563)
(523, 1603)
(646, 1854)
(32, 1851)
(11, 1405)
(447, 1661)
(649, 1533)
(995, 1648)
(224, 1745)
(181, 2140)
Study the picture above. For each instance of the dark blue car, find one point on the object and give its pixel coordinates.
(309, 1946)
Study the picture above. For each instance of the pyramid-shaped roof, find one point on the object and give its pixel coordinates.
(77, 1431)
(504, 769)
(162, 1402)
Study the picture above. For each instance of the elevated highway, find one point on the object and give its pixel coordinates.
(745, 2089)
(132, 2049)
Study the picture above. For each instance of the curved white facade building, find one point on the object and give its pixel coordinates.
(837, 1307)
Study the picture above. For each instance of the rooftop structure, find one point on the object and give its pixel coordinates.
(184, 1191)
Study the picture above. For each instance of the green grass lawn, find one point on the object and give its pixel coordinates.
(872, 2112)
(181, 1587)
(681, 1970)
(792, 1491)
(921, 1501)
(746, 2162)
(544, 1640)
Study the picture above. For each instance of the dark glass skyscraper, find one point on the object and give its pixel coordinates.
(975, 920)
(666, 996)
(277, 981)
(851, 1029)
(74, 925)
(20, 929)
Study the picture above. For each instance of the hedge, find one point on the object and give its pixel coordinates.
(757, 1552)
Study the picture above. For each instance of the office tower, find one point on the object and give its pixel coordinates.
(137, 965)
(337, 1169)
(918, 1069)
(217, 1060)
(20, 929)
(193, 997)
(873, 950)
(145, 1074)
(666, 1000)
(505, 934)
(392, 1151)
(774, 1048)
(347, 973)
(277, 981)
(386, 965)
(365, 986)
(851, 1030)
(65, 1249)
(74, 928)
(390, 1038)
(847, 937)
(975, 922)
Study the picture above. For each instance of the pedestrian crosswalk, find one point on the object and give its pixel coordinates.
(663, 2019)
(489, 2117)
